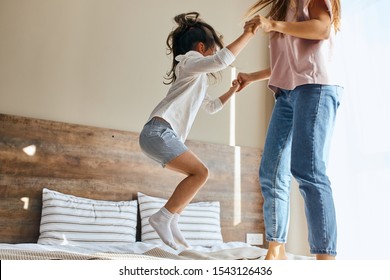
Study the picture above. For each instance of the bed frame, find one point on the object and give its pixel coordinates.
(107, 164)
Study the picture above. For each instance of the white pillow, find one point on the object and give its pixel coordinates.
(199, 222)
(71, 220)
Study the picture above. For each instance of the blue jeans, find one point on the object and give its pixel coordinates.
(297, 144)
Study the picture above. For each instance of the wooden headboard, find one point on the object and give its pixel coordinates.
(107, 164)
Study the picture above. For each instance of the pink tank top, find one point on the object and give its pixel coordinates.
(296, 61)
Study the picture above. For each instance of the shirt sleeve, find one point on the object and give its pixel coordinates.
(210, 105)
(195, 64)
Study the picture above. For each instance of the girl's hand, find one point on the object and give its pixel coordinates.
(252, 25)
(235, 86)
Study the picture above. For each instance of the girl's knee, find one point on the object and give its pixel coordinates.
(204, 172)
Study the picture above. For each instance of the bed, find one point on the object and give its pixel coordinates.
(72, 191)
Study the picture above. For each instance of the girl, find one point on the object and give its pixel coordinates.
(307, 97)
(197, 50)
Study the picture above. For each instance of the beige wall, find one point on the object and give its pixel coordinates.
(102, 62)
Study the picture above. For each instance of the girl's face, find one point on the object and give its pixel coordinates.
(210, 51)
(201, 47)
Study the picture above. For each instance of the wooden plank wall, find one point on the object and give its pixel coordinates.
(107, 164)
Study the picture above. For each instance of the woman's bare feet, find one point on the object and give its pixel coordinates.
(276, 251)
(325, 257)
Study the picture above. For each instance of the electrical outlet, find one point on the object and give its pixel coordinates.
(254, 238)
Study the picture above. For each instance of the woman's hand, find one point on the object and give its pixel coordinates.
(266, 24)
(244, 80)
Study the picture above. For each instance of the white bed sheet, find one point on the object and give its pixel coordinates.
(130, 248)
(140, 248)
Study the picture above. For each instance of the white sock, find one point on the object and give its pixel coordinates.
(177, 235)
(161, 223)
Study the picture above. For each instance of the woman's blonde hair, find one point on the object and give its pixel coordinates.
(278, 10)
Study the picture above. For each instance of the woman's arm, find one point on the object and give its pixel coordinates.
(317, 28)
(245, 79)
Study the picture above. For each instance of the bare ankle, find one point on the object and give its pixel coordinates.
(325, 257)
(276, 251)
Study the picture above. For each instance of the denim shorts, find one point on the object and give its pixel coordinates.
(160, 142)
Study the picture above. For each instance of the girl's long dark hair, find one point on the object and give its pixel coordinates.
(190, 31)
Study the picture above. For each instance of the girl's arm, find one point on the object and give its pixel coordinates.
(222, 58)
(212, 106)
(232, 90)
(250, 30)
(245, 79)
(317, 28)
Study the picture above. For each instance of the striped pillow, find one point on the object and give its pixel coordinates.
(71, 220)
(199, 222)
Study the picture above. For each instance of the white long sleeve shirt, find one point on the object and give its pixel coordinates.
(188, 93)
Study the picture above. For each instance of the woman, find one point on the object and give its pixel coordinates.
(307, 97)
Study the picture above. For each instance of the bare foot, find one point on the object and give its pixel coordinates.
(270, 256)
(276, 251)
(325, 257)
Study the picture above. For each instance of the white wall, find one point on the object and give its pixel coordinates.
(102, 62)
